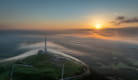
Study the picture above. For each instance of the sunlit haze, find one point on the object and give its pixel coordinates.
(98, 26)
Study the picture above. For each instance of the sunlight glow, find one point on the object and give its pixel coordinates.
(98, 26)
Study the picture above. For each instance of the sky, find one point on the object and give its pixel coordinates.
(67, 14)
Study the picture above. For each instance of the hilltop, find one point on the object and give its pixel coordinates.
(39, 67)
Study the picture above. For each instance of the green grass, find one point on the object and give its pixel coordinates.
(41, 67)
(4, 76)
(72, 68)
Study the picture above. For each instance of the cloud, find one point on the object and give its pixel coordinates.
(122, 19)
(133, 20)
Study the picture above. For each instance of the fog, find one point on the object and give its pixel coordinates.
(112, 52)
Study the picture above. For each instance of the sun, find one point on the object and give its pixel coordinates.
(98, 26)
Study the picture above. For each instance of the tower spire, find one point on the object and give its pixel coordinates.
(45, 45)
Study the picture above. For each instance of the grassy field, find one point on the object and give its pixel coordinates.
(39, 67)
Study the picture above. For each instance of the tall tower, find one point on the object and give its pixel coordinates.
(45, 45)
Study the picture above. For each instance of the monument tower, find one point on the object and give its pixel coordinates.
(45, 50)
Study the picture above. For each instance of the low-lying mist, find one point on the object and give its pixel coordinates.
(108, 51)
